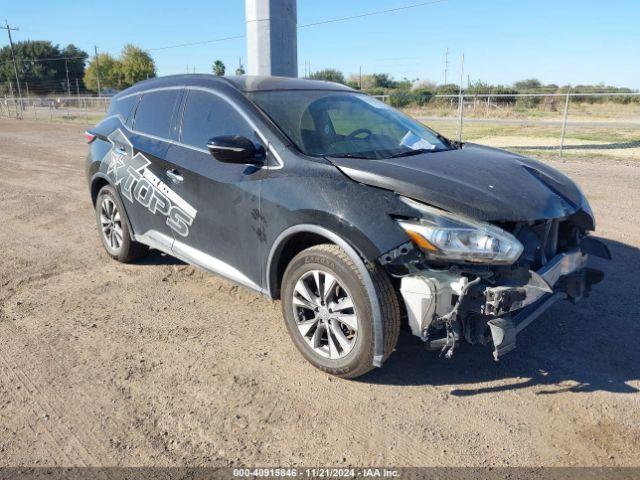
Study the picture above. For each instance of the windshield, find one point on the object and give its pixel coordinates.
(346, 124)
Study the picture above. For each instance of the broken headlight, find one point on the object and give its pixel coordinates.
(444, 236)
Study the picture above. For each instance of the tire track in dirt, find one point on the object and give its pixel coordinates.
(48, 404)
(16, 392)
(88, 450)
(82, 407)
(15, 376)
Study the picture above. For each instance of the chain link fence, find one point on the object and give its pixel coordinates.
(590, 124)
(56, 108)
(541, 124)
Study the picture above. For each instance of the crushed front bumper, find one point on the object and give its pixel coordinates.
(494, 314)
(566, 276)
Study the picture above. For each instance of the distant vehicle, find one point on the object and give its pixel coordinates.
(351, 213)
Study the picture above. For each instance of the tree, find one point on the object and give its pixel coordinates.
(383, 80)
(109, 73)
(41, 65)
(75, 60)
(329, 75)
(448, 89)
(425, 85)
(404, 84)
(527, 84)
(218, 68)
(135, 65)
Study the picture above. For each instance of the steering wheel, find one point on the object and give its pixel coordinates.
(357, 132)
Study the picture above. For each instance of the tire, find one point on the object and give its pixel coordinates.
(333, 263)
(119, 245)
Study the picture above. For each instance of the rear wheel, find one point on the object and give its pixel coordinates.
(114, 230)
(328, 311)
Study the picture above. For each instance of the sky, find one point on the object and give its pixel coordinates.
(561, 41)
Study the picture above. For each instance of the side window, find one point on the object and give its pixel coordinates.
(207, 116)
(123, 106)
(155, 112)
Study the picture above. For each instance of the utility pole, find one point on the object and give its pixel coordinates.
(360, 77)
(272, 47)
(446, 64)
(95, 50)
(13, 99)
(66, 69)
(461, 101)
(564, 120)
(13, 57)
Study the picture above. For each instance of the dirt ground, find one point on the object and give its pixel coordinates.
(158, 364)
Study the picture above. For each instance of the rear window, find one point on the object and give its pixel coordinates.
(155, 111)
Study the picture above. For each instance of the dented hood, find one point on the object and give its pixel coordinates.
(481, 182)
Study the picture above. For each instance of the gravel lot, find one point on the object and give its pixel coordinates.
(159, 364)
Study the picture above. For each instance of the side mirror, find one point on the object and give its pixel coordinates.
(236, 149)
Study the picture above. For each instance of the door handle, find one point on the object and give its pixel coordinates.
(175, 176)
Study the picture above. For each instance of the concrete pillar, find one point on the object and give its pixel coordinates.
(272, 46)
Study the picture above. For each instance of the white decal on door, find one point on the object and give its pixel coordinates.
(138, 183)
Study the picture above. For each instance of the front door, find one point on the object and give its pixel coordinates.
(226, 227)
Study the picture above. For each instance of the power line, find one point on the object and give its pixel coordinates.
(368, 14)
(52, 59)
(191, 44)
(313, 24)
(236, 37)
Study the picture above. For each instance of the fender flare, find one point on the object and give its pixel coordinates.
(101, 176)
(356, 258)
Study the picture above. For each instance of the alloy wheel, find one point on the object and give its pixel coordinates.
(111, 224)
(325, 314)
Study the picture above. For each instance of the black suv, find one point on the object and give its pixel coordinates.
(356, 216)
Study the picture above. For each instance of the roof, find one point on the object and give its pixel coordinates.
(244, 83)
(256, 83)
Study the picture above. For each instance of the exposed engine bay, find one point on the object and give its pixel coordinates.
(490, 304)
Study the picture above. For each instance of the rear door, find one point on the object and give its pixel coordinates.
(226, 230)
(141, 171)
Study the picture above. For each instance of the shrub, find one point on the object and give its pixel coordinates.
(400, 98)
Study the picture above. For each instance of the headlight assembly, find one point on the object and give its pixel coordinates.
(448, 237)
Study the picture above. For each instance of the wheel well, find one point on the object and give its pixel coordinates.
(293, 246)
(97, 184)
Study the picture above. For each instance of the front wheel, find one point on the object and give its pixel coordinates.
(328, 311)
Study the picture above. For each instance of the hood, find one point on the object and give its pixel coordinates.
(481, 182)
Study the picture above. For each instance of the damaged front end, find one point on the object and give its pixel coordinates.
(513, 273)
